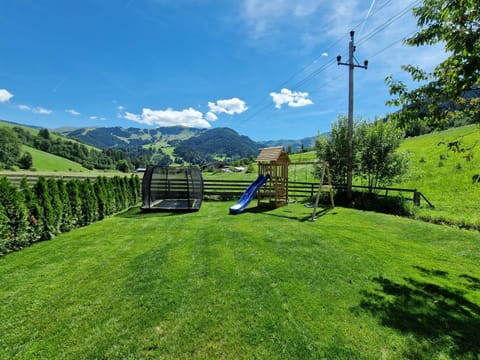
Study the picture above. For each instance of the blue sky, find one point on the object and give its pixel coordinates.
(264, 68)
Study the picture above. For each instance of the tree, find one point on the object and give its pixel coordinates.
(25, 161)
(66, 222)
(378, 161)
(3, 230)
(35, 218)
(123, 166)
(89, 203)
(73, 191)
(14, 216)
(290, 149)
(335, 150)
(44, 133)
(374, 151)
(44, 199)
(453, 86)
(101, 194)
(10, 148)
(57, 205)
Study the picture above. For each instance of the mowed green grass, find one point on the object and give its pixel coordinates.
(445, 177)
(44, 161)
(263, 284)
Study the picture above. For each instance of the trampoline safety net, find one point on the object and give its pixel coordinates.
(172, 188)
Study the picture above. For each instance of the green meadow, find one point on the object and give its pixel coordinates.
(445, 175)
(43, 161)
(263, 284)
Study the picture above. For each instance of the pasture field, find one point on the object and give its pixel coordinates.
(445, 176)
(263, 284)
(43, 161)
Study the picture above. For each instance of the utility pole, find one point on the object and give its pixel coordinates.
(351, 66)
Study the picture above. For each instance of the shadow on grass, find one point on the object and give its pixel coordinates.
(285, 213)
(440, 317)
(136, 212)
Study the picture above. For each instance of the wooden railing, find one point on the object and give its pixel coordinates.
(301, 189)
(235, 188)
(32, 178)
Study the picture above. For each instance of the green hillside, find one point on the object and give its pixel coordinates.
(442, 175)
(43, 161)
(445, 176)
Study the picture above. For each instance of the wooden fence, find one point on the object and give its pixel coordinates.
(235, 188)
(232, 188)
(32, 178)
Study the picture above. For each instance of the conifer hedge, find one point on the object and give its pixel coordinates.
(52, 206)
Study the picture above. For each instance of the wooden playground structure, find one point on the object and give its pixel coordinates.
(274, 161)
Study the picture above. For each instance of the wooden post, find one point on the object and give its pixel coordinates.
(416, 198)
(319, 191)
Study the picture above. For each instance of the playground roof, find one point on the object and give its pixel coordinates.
(273, 154)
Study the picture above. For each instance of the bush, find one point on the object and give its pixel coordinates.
(393, 205)
(53, 206)
(13, 218)
(26, 161)
(375, 156)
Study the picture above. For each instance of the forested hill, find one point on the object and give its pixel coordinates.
(216, 143)
(195, 146)
(118, 137)
(292, 145)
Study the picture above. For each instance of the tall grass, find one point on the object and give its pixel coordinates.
(445, 176)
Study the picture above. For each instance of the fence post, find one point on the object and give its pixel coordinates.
(416, 197)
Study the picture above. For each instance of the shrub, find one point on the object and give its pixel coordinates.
(394, 205)
(45, 204)
(14, 215)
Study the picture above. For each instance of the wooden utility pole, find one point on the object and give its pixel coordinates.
(351, 66)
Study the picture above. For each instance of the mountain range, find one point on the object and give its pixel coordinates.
(118, 137)
(178, 144)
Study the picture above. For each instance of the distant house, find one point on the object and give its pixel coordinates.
(215, 165)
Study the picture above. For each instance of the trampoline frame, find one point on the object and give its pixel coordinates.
(166, 188)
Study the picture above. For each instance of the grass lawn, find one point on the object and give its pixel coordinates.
(263, 284)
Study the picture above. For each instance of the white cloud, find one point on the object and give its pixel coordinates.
(291, 98)
(5, 95)
(133, 117)
(188, 118)
(73, 112)
(24, 107)
(41, 110)
(92, 117)
(228, 106)
(36, 110)
(211, 116)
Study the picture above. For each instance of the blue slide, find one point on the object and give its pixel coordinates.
(249, 194)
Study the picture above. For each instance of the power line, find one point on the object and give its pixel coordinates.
(324, 67)
(389, 22)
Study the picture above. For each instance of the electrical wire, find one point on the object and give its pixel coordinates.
(329, 64)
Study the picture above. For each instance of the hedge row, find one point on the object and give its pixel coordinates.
(53, 206)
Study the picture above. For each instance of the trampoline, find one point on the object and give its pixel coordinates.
(172, 188)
